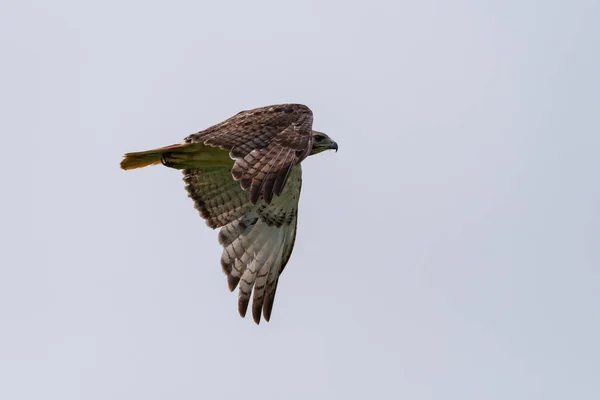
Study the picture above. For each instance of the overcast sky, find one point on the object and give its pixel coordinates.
(449, 250)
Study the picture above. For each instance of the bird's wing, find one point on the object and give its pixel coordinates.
(257, 239)
(265, 143)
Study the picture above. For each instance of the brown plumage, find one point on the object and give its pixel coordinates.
(244, 177)
(266, 143)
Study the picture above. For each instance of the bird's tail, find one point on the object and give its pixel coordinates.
(178, 156)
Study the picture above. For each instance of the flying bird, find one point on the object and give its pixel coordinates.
(244, 177)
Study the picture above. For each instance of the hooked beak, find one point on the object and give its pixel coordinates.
(334, 146)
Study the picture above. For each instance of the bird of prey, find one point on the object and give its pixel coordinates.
(244, 177)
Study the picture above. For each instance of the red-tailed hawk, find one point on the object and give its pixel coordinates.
(244, 176)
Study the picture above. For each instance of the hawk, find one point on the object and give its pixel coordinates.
(244, 177)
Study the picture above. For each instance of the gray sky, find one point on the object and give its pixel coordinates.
(449, 250)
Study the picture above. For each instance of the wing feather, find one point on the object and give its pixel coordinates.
(263, 260)
(273, 280)
(273, 259)
(264, 143)
(257, 239)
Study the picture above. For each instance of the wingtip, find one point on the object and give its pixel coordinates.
(243, 307)
(256, 312)
(232, 282)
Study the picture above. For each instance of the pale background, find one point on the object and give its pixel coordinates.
(449, 250)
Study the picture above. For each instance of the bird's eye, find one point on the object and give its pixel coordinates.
(319, 138)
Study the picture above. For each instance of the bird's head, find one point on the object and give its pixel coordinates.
(321, 142)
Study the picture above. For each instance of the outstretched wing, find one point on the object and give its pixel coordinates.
(266, 143)
(257, 239)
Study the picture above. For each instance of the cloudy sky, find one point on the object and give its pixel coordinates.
(449, 250)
